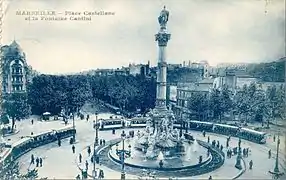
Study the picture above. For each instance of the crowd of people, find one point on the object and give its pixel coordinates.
(232, 151)
(39, 161)
(100, 172)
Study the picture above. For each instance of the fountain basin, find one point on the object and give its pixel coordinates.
(189, 159)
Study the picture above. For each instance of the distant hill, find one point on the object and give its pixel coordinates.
(270, 72)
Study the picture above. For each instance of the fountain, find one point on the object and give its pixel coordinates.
(160, 156)
(195, 146)
(160, 141)
(189, 153)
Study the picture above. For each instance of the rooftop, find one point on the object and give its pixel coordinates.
(206, 81)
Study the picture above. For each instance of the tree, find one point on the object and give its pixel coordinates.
(216, 103)
(275, 99)
(198, 103)
(12, 172)
(226, 103)
(4, 119)
(16, 106)
(241, 105)
(281, 106)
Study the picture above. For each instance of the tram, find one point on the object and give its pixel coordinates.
(225, 129)
(252, 135)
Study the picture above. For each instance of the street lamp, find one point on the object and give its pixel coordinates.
(73, 126)
(122, 153)
(276, 173)
(96, 129)
(95, 144)
(181, 128)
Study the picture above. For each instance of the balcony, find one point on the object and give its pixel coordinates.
(17, 74)
(17, 82)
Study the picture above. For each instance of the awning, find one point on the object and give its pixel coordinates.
(46, 113)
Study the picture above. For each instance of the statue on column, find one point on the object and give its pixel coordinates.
(164, 16)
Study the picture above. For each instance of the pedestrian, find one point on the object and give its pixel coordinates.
(32, 159)
(97, 159)
(113, 131)
(100, 142)
(210, 178)
(86, 165)
(37, 162)
(88, 150)
(103, 141)
(91, 159)
(208, 139)
(41, 162)
(204, 133)
(59, 142)
(77, 177)
(200, 159)
(101, 174)
(269, 154)
(274, 138)
(80, 157)
(161, 163)
(73, 149)
(239, 142)
(213, 143)
(221, 147)
(32, 121)
(250, 164)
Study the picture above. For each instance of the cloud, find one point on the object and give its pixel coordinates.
(217, 31)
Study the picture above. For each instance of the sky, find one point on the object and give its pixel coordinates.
(219, 31)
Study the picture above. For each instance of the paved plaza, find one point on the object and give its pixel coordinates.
(61, 163)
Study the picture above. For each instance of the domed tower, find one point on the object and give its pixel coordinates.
(14, 68)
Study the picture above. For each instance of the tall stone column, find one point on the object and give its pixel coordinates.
(162, 37)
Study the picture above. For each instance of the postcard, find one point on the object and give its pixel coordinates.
(132, 89)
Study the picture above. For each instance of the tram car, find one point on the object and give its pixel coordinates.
(177, 124)
(108, 124)
(136, 122)
(65, 132)
(226, 129)
(52, 135)
(252, 135)
(201, 126)
(21, 147)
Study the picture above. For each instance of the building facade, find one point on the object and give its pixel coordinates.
(15, 71)
(139, 69)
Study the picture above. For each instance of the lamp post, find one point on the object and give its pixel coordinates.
(122, 153)
(95, 126)
(276, 173)
(96, 129)
(181, 128)
(73, 126)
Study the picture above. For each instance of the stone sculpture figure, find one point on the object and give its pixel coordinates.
(164, 17)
